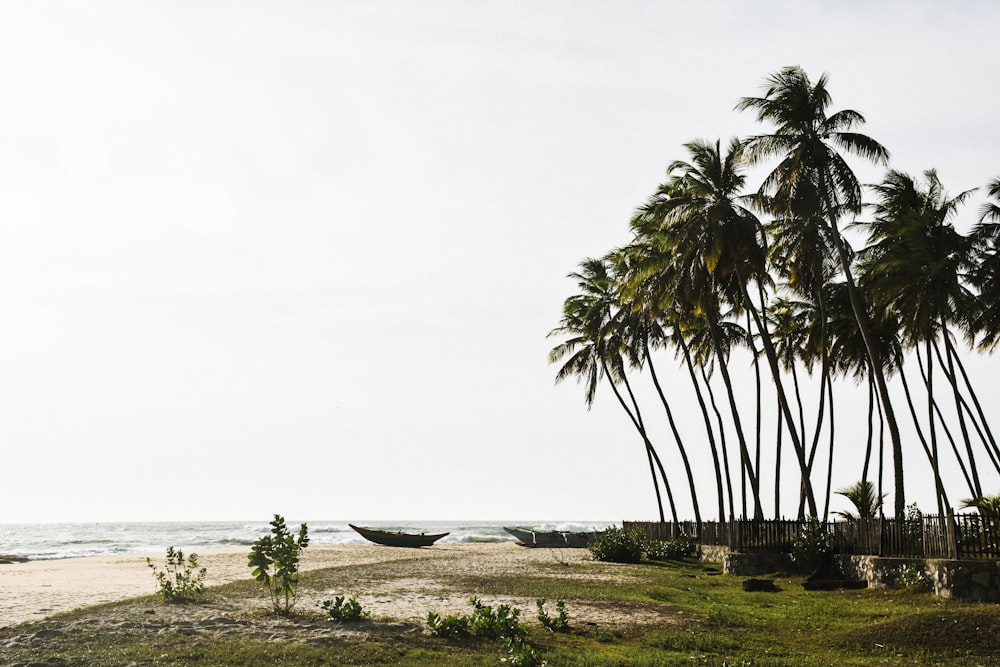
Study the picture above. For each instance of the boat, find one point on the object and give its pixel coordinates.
(551, 539)
(397, 539)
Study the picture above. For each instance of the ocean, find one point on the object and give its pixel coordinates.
(46, 541)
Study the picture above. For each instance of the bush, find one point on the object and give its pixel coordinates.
(812, 549)
(618, 545)
(345, 612)
(281, 550)
(449, 627)
(675, 549)
(181, 580)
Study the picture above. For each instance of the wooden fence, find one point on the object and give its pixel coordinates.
(952, 536)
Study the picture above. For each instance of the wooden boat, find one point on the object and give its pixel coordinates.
(551, 539)
(397, 539)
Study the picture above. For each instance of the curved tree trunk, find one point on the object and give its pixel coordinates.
(772, 360)
(746, 463)
(637, 422)
(709, 431)
(871, 430)
(932, 459)
(979, 408)
(950, 375)
(861, 316)
(677, 435)
(722, 442)
(961, 405)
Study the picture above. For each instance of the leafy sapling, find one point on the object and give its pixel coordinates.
(182, 580)
(275, 562)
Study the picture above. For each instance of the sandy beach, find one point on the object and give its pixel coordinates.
(407, 584)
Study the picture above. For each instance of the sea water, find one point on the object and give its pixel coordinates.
(45, 541)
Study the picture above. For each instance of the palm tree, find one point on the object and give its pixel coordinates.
(986, 277)
(864, 498)
(594, 350)
(649, 331)
(915, 262)
(717, 246)
(814, 182)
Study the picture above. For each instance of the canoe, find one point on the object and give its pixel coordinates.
(551, 539)
(397, 539)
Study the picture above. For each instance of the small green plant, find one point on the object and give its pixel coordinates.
(812, 548)
(486, 622)
(343, 611)
(521, 654)
(618, 545)
(913, 577)
(497, 624)
(674, 549)
(447, 627)
(275, 562)
(182, 579)
(558, 624)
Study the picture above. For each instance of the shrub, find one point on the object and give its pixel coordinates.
(182, 579)
(275, 562)
(484, 622)
(500, 624)
(675, 549)
(345, 612)
(812, 548)
(618, 545)
(449, 627)
(558, 624)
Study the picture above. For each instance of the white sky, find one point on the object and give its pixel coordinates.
(302, 257)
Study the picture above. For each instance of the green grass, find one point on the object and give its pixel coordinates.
(712, 622)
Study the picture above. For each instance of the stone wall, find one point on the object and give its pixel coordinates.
(972, 580)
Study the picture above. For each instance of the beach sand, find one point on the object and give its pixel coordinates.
(401, 584)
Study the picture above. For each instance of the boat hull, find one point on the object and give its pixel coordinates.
(391, 539)
(552, 539)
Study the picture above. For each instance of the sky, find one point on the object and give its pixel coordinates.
(303, 256)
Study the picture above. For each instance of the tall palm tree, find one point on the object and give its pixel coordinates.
(718, 247)
(915, 262)
(649, 331)
(813, 181)
(986, 276)
(593, 351)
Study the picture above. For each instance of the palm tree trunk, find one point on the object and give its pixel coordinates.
(677, 435)
(747, 464)
(950, 375)
(829, 463)
(979, 407)
(861, 315)
(709, 431)
(722, 442)
(772, 360)
(931, 456)
(960, 403)
(637, 423)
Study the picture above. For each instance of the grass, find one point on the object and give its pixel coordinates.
(712, 622)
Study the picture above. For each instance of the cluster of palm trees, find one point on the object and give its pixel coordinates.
(712, 269)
